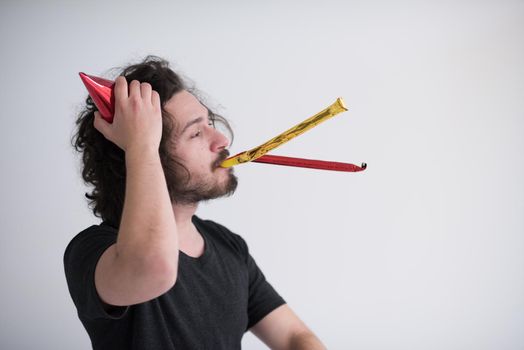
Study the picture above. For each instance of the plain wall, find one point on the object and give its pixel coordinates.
(423, 250)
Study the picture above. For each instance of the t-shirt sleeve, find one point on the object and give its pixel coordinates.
(80, 259)
(263, 298)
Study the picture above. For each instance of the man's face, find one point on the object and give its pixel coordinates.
(200, 148)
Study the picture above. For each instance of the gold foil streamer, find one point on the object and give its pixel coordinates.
(337, 107)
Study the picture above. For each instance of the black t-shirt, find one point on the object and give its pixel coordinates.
(217, 297)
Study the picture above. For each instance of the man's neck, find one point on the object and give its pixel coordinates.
(183, 215)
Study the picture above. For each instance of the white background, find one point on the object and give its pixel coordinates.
(423, 250)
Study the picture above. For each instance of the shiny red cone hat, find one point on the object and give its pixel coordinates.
(101, 91)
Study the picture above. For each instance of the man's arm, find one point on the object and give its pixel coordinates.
(306, 341)
(143, 262)
(281, 329)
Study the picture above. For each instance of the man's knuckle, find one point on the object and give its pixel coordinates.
(135, 102)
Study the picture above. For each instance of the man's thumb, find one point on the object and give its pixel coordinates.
(101, 124)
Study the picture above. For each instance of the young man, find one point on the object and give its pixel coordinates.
(153, 275)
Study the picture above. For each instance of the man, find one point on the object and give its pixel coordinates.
(153, 275)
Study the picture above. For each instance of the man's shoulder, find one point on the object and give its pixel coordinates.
(92, 233)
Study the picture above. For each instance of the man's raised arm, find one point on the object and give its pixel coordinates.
(143, 263)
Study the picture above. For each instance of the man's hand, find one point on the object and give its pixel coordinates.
(138, 117)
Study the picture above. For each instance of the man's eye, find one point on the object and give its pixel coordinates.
(197, 134)
(211, 123)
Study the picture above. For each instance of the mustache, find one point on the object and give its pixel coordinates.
(223, 155)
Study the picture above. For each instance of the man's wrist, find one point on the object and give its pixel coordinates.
(142, 154)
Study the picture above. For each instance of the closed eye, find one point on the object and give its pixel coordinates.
(210, 122)
(197, 134)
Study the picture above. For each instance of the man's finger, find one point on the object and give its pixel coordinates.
(145, 91)
(101, 124)
(134, 90)
(155, 99)
(120, 88)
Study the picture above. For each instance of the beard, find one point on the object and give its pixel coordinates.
(187, 188)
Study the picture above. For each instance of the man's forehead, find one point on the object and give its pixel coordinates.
(184, 106)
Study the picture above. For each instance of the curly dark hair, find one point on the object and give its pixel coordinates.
(103, 162)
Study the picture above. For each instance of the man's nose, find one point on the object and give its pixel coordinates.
(220, 141)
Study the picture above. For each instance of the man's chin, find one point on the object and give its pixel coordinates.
(231, 184)
(225, 184)
(230, 180)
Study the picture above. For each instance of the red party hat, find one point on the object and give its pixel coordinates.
(101, 91)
